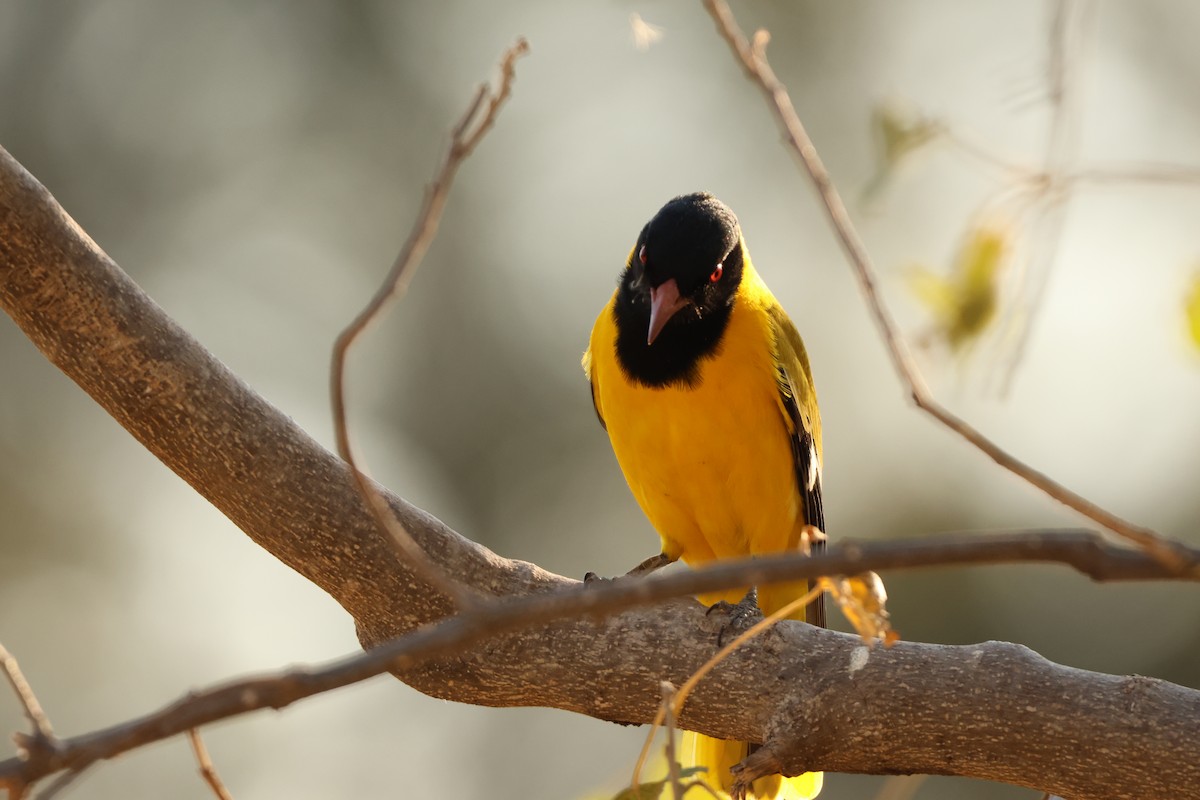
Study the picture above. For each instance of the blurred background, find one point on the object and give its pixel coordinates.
(256, 166)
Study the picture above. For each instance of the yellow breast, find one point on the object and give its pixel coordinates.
(710, 463)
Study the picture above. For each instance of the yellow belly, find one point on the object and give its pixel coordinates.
(710, 463)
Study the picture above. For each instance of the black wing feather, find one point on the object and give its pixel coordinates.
(808, 480)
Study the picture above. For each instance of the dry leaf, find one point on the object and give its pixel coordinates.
(863, 600)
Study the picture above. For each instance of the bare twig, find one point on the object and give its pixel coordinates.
(205, 765)
(1083, 550)
(660, 717)
(1067, 26)
(668, 705)
(983, 155)
(33, 747)
(29, 702)
(477, 121)
(752, 56)
(1139, 173)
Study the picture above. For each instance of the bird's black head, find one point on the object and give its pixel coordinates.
(678, 289)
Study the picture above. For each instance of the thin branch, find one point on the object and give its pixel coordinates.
(752, 56)
(1068, 22)
(24, 692)
(471, 128)
(33, 747)
(205, 765)
(1170, 174)
(668, 696)
(660, 717)
(1083, 550)
(1067, 26)
(1049, 221)
(973, 149)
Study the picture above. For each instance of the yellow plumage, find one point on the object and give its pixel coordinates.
(711, 464)
(713, 461)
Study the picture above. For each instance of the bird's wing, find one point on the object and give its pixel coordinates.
(799, 400)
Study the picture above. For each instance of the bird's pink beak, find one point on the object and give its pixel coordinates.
(664, 302)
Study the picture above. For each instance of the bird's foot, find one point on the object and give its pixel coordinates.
(741, 616)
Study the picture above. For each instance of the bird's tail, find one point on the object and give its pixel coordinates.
(718, 756)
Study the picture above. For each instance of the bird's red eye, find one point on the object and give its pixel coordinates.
(642, 255)
(716, 273)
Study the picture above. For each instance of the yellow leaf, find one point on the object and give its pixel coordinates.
(963, 303)
(935, 292)
(899, 132)
(1192, 310)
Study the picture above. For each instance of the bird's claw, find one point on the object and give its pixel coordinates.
(741, 616)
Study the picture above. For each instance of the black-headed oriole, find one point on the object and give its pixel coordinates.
(704, 387)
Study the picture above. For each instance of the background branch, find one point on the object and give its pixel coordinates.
(475, 122)
(1069, 22)
(42, 737)
(24, 692)
(752, 56)
(204, 764)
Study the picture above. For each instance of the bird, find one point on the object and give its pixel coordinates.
(704, 387)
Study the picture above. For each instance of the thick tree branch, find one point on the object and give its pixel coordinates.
(289, 494)
(298, 501)
(611, 670)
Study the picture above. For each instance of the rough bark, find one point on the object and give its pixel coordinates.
(817, 698)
